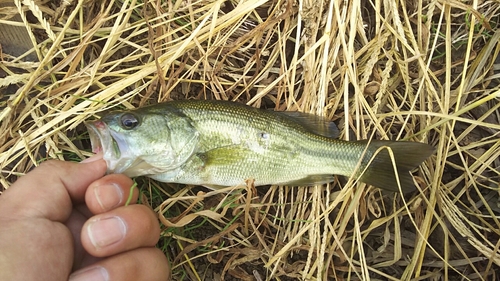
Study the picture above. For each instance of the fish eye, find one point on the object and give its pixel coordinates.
(129, 121)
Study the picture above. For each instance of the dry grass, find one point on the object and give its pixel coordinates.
(425, 71)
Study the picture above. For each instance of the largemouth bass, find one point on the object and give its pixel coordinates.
(220, 143)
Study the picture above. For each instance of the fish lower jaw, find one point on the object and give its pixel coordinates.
(132, 167)
(96, 149)
(116, 166)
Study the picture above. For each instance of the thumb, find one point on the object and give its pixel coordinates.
(50, 189)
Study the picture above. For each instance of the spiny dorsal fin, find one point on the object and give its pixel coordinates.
(313, 123)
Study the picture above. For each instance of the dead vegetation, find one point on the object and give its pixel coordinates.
(424, 71)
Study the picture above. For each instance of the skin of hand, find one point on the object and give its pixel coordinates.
(68, 220)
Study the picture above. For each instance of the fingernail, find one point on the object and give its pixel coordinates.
(108, 195)
(105, 232)
(92, 158)
(97, 273)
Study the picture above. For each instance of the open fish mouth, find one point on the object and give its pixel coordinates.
(102, 140)
(116, 151)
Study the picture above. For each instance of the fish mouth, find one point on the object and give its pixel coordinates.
(116, 151)
(102, 140)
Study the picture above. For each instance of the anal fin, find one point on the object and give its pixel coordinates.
(310, 180)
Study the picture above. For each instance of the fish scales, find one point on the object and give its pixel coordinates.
(217, 143)
(287, 151)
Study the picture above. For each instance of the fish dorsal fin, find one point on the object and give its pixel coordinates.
(313, 123)
(311, 180)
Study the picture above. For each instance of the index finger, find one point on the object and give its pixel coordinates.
(49, 190)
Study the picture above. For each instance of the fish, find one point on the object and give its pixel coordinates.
(222, 143)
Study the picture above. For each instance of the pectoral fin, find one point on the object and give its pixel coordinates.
(224, 156)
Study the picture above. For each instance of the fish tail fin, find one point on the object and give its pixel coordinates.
(382, 173)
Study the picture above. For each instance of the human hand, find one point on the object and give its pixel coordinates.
(68, 220)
